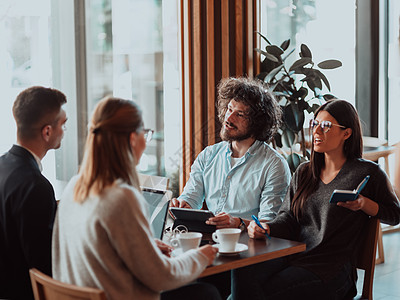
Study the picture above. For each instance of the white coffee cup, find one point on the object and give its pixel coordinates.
(187, 240)
(227, 238)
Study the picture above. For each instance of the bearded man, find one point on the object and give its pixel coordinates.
(242, 175)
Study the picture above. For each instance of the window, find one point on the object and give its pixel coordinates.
(126, 48)
(132, 53)
(24, 56)
(315, 23)
(393, 75)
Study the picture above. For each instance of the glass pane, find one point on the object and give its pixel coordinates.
(24, 56)
(310, 22)
(25, 60)
(132, 53)
(394, 71)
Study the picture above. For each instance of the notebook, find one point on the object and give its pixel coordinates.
(348, 195)
(158, 203)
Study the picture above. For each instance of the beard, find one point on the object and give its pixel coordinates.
(238, 136)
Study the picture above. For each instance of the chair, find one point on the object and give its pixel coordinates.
(375, 148)
(367, 256)
(46, 288)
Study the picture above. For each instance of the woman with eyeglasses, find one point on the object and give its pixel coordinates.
(102, 237)
(331, 231)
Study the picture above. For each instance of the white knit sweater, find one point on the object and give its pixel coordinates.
(107, 243)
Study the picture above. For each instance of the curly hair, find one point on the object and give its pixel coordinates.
(265, 114)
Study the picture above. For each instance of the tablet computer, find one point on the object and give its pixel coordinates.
(191, 214)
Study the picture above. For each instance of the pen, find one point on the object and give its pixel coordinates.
(259, 225)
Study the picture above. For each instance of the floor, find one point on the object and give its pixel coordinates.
(387, 275)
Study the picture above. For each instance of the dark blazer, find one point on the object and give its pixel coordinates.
(27, 210)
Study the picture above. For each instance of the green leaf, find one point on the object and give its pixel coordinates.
(274, 50)
(272, 87)
(268, 65)
(281, 94)
(267, 55)
(262, 75)
(328, 97)
(285, 44)
(286, 56)
(330, 64)
(303, 92)
(288, 137)
(300, 63)
(317, 92)
(261, 51)
(305, 51)
(294, 160)
(265, 39)
(303, 105)
(278, 140)
(271, 75)
(293, 116)
(314, 82)
(323, 77)
(313, 108)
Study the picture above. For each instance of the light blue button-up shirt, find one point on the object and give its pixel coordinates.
(257, 184)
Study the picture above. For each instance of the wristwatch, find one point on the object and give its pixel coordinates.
(242, 225)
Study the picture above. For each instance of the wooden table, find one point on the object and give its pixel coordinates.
(259, 251)
(374, 153)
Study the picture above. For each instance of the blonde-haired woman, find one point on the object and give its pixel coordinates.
(101, 234)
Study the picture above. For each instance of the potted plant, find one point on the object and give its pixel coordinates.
(298, 89)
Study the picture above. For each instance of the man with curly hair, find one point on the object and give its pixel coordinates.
(242, 175)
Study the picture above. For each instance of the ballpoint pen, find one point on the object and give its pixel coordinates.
(259, 225)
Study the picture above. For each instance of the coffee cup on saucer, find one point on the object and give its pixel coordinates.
(187, 240)
(227, 238)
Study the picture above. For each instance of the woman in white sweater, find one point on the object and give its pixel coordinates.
(101, 235)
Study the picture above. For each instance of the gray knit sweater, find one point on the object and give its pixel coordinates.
(330, 232)
(106, 242)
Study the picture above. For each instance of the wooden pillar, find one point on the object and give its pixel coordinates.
(218, 41)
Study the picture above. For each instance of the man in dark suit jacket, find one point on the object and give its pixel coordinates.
(27, 203)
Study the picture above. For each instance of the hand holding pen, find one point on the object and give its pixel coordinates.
(252, 230)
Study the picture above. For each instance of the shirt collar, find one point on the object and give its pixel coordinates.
(251, 151)
(37, 159)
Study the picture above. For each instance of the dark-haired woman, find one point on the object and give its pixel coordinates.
(331, 231)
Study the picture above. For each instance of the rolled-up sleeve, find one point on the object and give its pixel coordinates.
(193, 192)
(275, 188)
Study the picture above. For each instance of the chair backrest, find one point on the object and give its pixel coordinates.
(47, 288)
(367, 256)
(371, 141)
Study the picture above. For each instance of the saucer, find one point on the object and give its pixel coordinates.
(239, 248)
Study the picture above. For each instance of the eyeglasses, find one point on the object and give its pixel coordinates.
(325, 125)
(148, 134)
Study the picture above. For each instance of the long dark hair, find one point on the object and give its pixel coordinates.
(346, 115)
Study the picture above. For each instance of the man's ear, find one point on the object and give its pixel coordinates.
(347, 133)
(46, 132)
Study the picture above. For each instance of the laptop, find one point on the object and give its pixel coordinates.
(158, 203)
